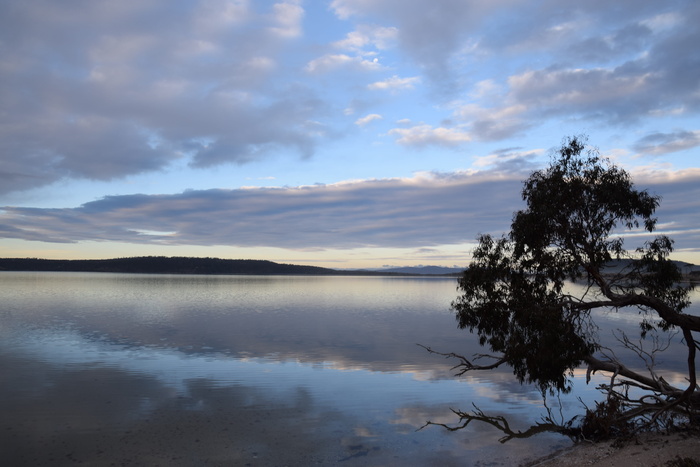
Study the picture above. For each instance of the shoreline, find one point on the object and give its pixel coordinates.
(644, 450)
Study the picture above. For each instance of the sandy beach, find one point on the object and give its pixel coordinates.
(646, 450)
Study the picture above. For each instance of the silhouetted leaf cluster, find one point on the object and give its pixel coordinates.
(514, 294)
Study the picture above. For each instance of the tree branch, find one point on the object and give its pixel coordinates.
(466, 364)
(501, 424)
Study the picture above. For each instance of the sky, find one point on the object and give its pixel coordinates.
(343, 133)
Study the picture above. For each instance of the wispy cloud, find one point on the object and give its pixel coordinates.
(664, 143)
(394, 84)
(367, 39)
(367, 119)
(335, 62)
(426, 135)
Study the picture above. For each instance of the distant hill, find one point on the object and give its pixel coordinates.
(188, 265)
(424, 270)
(162, 265)
(617, 266)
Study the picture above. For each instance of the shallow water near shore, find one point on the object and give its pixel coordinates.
(126, 369)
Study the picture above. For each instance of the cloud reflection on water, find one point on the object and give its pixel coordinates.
(94, 402)
(180, 369)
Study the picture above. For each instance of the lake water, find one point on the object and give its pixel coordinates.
(174, 370)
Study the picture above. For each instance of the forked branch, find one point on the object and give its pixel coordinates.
(502, 424)
(465, 364)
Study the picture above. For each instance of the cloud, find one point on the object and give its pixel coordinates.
(287, 18)
(616, 63)
(604, 48)
(334, 62)
(372, 36)
(608, 95)
(646, 87)
(367, 119)
(494, 123)
(608, 29)
(633, 91)
(356, 52)
(415, 212)
(430, 34)
(215, 16)
(447, 36)
(679, 212)
(510, 160)
(664, 143)
(426, 135)
(394, 84)
(105, 90)
(663, 21)
(85, 92)
(427, 210)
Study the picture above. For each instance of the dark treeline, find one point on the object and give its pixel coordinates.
(162, 265)
(182, 265)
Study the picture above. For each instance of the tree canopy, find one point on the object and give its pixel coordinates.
(514, 294)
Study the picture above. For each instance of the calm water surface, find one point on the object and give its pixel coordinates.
(120, 369)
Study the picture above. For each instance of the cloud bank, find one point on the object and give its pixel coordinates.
(184, 101)
(102, 90)
(426, 210)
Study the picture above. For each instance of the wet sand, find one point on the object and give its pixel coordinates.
(647, 450)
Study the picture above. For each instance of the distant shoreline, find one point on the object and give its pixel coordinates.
(218, 266)
(194, 265)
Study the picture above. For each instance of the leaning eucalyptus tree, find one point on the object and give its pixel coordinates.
(514, 294)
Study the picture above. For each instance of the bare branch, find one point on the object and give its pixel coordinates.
(501, 424)
(466, 364)
(618, 368)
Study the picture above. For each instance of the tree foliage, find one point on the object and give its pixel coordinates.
(514, 297)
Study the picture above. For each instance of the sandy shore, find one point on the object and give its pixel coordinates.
(647, 450)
